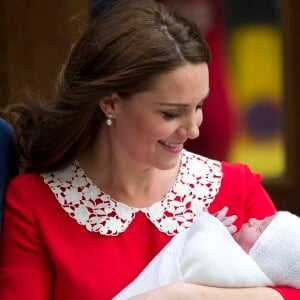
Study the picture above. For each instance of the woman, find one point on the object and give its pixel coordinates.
(108, 183)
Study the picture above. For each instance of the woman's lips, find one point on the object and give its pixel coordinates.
(174, 147)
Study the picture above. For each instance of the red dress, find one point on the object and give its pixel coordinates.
(64, 238)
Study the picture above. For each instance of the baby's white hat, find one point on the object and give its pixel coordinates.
(277, 250)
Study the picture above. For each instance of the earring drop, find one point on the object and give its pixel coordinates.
(109, 120)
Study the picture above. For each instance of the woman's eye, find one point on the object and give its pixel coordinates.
(200, 106)
(170, 116)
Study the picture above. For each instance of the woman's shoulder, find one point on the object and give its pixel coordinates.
(236, 168)
(28, 195)
(29, 183)
(240, 172)
(27, 178)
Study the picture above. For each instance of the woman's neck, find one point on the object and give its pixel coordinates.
(120, 176)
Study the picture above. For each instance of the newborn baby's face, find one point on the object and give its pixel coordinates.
(250, 232)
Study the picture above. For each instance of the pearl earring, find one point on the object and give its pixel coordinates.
(109, 120)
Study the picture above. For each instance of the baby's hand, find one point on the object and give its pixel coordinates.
(226, 221)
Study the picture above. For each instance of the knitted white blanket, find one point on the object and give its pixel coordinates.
(277, 250)
(206, 254)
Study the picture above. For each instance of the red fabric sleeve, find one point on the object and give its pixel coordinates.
(288, 293)
(24, 267)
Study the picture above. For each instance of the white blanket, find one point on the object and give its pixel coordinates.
(206, 254)
(277, 250)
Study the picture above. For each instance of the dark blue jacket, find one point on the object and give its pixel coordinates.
(9, 159)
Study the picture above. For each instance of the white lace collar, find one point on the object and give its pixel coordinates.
(196, 186)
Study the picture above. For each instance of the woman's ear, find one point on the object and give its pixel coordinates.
(108, 104)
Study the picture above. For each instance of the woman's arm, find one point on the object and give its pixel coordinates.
(25, 271)
(186, 291)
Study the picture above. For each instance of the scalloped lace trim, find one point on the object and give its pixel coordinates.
(196, 186)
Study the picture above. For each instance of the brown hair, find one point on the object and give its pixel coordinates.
(124, 50)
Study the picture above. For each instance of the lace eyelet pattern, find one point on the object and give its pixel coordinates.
(196, 186)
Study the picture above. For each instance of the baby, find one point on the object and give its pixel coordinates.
(263, 253)
(274, 244)
(251, 231)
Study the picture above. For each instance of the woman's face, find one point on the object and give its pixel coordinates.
(250, 232)
(152, 126)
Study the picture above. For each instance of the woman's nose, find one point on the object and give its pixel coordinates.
(190, 128)
(193, 131)
(190, 132)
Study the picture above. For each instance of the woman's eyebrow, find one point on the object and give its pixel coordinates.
(174, 104)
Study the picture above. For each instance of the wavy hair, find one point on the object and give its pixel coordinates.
(124, 50)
